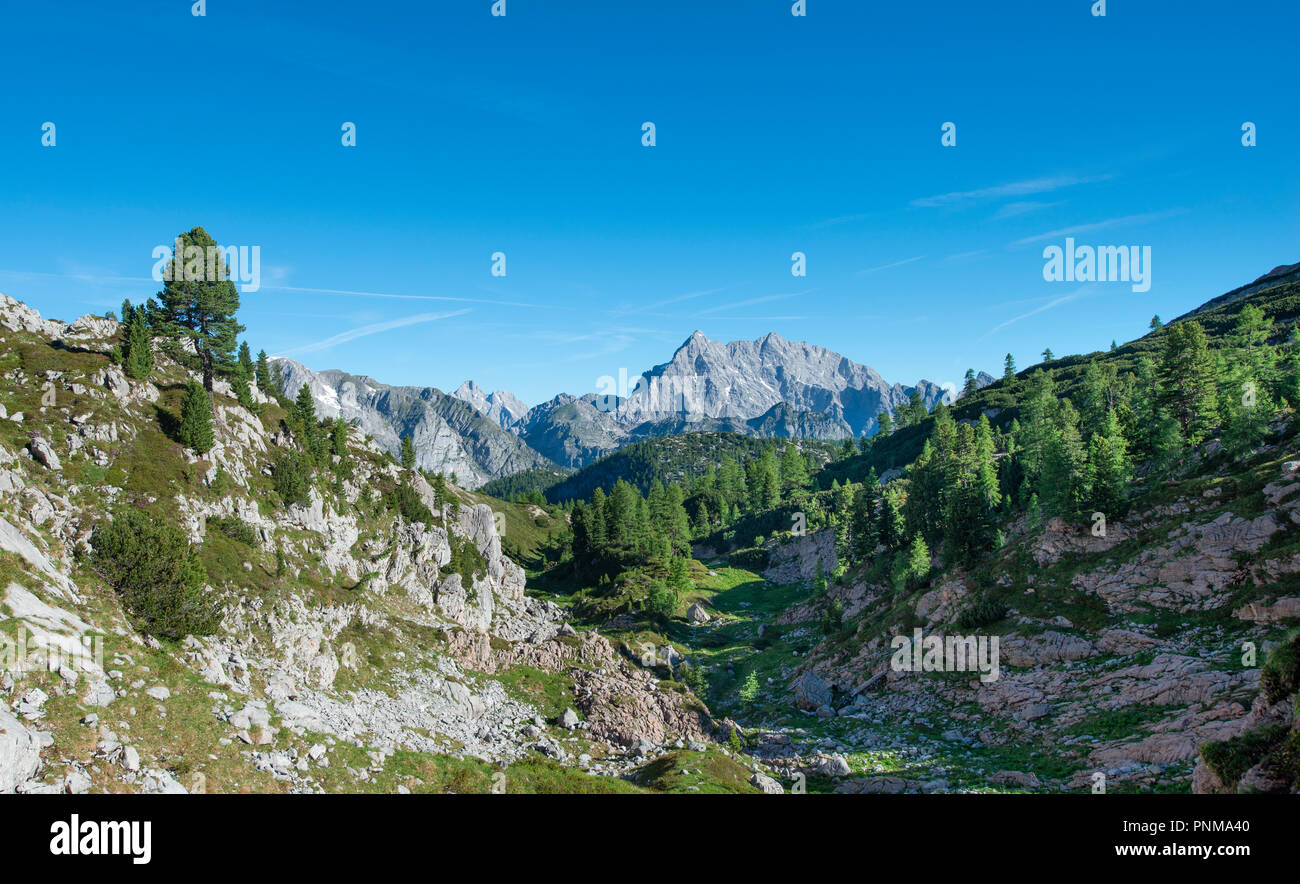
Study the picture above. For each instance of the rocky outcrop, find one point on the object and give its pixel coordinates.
(1191, 572)
(800, 559)
(619, 702)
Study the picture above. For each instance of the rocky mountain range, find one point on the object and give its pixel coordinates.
(450, 435)
(770, 387)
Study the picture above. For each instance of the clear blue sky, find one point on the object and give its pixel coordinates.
(775, 134)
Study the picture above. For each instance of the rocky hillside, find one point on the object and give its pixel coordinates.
(1131, 655)
(357, 645)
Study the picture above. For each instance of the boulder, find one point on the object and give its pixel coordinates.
(20, 752)
(811, 692)
(832, 766)
(766, 784)
(44, 454)
(697, 614)
(1015, 778)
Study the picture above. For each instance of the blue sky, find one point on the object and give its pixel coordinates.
(775, 134)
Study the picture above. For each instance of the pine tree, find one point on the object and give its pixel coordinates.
(864, 525)
(892, 524)
(970, 385)
(884, 424)
(794, 473)
(915, 408)
(1061, 485)
(1109, 471)
(1038, 409)
(305, 424)
(195, 431)
(925, 495)
(138, 358)
(1009, 368)
(408, 452)
(972, 495)
(1048, 356)
(676, 527)
(1187, 390)
(918, 561)
(1101, 392)
(263, 372)
(1251, 352)
(765, 481)
(1143, 419)
(1290, 386)
(339, 437)
(1247, 411)
(1155, 322)
(245, 361)
(239, 385)
(678, 576)
(200, 302)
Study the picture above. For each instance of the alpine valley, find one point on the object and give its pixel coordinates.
(756, 567)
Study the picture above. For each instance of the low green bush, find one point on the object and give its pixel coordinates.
(236, 529)
(157, 574)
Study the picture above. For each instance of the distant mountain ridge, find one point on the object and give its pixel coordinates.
(766, 388)
(769, 387)
(746, 379)
(449, 434)
(503, 407)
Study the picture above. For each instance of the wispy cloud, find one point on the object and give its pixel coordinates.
(1122, 221)
(751, 302)
(1024, 207)
(888, 266)
(372, 329)
(399, 297)
(654, 305)
(1052, 304)
(607, 343)
(97, 278)
(961, 255)
(1027, 187)
(842, 219)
